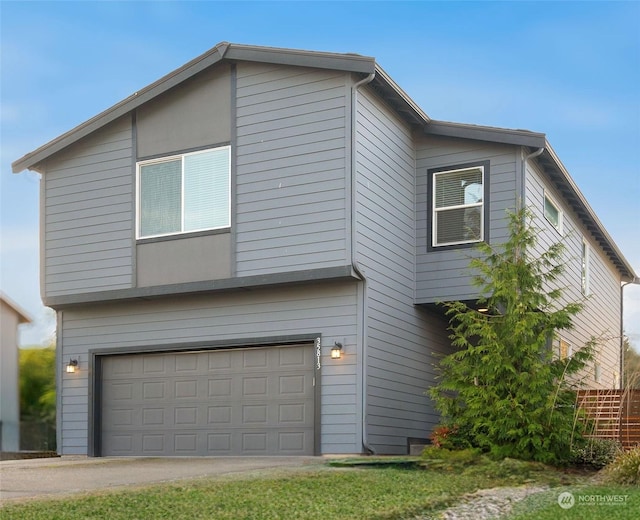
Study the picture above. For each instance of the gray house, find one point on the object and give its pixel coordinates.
(245, 256)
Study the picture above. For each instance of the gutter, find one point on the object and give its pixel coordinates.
(354, 262)
(523, 194)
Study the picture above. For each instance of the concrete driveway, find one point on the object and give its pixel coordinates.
(42, 478)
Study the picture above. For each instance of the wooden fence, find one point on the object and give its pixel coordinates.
(615, 414)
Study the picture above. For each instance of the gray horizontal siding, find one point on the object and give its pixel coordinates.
(601, 315)
(290, 182)
(403, 341)
(442, 275)
(88, 214)
(327, 309)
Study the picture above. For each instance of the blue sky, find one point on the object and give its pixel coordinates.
(568, 69)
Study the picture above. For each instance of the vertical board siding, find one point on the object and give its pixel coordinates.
(600, 317)
(291, 157)
(403, 341)
(89, 214)
(327, 309)
(442, 275)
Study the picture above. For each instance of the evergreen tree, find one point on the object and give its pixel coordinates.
(503, 391)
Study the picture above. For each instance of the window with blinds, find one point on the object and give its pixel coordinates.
(184, 193)
(458, 206)
(552, 212)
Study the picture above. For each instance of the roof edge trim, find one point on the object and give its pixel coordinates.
(486, 133)
(570, 183)
(23, 316)
(222, 51)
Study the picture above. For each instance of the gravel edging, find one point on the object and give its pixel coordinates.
(486, 504)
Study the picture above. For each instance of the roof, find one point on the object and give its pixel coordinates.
(23, 317)
(383, 84)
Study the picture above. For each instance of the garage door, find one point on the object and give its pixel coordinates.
(254, 401)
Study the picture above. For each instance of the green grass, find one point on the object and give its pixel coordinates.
(591, 503)
(324, 492)
(313, 493)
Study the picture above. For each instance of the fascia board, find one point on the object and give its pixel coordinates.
(486, 133)
(314, 59)
(23, 316)
(224, 50)
(32, 159)
(580, 200)
(384, 81)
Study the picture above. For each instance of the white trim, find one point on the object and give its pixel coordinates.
(547, 197)
(435, 210)
(181, 157)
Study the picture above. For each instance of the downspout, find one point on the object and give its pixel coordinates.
(636, 281)
(354, 262)
(523, 194)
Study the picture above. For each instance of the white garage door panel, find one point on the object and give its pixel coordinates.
(234, 402)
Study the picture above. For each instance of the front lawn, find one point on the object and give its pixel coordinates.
(310, 493)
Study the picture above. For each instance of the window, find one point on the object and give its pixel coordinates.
(184, 193)
(458, 206)
(584, 270)
(564, 349)
(552, 213)
(597, 372)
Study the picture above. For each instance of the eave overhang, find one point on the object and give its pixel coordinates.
(485, 133)
(223, 51)
(563, 182)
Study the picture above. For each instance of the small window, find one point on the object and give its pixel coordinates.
(597, 372)
(184, 193)
(564, 349)
(552, 213)
(458, 206)
(584, 270)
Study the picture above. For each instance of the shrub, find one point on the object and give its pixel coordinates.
(450, 437)
(502, 385)
(596, 453)
(442, 458)
(625, 469)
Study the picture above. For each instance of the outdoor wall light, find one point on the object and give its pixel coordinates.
(336, 351)
(72, 366)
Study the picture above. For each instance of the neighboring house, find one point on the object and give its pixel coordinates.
(207, 241)
(11, 317)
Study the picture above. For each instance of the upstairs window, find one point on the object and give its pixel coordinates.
(552, 213)
(458, 206)
(184, 193)
(564, 349)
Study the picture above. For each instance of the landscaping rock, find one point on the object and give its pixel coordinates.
(486, 504)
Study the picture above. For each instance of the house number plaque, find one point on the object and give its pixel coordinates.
(318, 353)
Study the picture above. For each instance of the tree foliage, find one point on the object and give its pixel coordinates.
(38, 384)
(631, 366)
(503, 390)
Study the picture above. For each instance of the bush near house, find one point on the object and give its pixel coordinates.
(625, 469)
(503, 391)
(38, 398)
